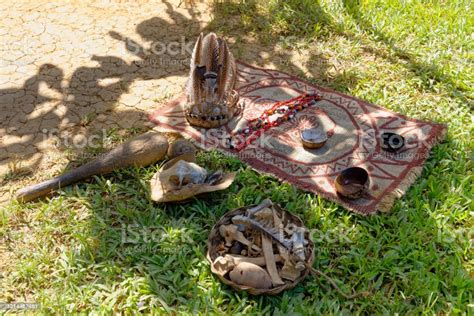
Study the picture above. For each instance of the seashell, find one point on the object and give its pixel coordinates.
(251, 275)
(313, 138)
(392, 142)
(352, 182)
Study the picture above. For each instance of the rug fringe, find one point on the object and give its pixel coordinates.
(384, 204)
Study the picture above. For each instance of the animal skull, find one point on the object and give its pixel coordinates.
(183, 173)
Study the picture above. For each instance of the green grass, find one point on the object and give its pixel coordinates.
(415, 57)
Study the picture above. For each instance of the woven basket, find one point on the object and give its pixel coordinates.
(215, 239)
(196, 121)
(202, 120)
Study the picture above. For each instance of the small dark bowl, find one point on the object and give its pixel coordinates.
(392, 142)
(313, 138)
(352, 182)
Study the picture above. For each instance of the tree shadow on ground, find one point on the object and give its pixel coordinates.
(430, 74)
(253, 43)
(385, 248)
(165, 245)
(174, 266)
(36, 122)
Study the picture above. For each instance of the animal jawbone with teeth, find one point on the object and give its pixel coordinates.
(211, 98)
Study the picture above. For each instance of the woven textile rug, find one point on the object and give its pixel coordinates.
(354, 125)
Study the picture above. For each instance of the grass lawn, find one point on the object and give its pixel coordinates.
(103, 246)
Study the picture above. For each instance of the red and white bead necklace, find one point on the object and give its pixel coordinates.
(243, 137)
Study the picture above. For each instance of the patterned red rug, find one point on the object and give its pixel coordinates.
(355, 139)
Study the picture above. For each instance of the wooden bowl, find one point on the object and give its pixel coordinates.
(215, 241)
(352, 182)
(313, 138)
(392, 142)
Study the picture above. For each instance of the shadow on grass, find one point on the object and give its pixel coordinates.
(428, 73)
(153, 256)
(404, 259)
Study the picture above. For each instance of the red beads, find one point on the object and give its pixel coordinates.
(256, 126)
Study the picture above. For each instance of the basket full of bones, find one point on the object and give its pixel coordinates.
(260, 249)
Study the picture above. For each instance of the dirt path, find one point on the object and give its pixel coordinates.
(69, 73)
(73, 76)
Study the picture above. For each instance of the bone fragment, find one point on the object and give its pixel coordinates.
(265, 204)
(231, 233)
(267, 246)
(298, 243)
(265, 216)
(223, 264)
(289, 271)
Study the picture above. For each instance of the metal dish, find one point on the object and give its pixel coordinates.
(313, 138)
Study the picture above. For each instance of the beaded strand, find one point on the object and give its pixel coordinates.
(257, 126)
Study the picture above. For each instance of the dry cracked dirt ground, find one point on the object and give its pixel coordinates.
(70, 73)
(76, 75)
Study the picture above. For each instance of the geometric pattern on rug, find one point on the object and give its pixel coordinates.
(355, 127)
